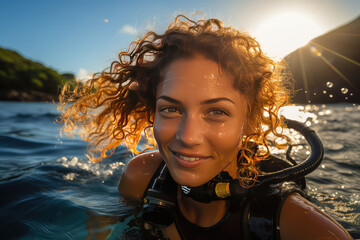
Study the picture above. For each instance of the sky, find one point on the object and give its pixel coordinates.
(85, 36)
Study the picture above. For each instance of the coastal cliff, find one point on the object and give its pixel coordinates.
(327, 69)
(24, 80)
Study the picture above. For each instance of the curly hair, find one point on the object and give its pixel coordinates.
(118, 105)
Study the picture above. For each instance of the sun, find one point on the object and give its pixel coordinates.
(284, 32)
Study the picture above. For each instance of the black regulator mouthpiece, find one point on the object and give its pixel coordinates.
(217, 188)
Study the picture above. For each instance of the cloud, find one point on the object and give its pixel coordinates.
(83, 75)
(128, 29)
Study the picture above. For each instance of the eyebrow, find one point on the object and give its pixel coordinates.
(209, 101)
(169, 99)
(215, 100)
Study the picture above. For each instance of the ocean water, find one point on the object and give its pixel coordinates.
(49, 190)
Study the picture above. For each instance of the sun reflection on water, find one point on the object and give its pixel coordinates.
(297, 113)
(331, 186)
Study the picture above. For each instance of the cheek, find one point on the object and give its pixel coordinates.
(163, 131)
(227, 139)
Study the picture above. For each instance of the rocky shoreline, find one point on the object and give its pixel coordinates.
(26, 96)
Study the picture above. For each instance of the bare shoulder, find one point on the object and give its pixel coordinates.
(137, 175)
(300, 219)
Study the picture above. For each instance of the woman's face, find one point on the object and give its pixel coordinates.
(199, 121)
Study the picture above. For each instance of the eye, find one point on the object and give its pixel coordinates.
(217, 112)
(168, 109)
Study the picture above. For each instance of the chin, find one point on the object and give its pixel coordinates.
(190, 181)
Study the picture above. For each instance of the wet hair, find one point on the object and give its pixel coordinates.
(118, 105)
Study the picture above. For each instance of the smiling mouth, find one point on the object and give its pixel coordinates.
(186, 158)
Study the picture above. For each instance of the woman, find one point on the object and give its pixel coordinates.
(205, 95)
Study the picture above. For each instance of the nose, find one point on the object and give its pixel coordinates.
(190, 131)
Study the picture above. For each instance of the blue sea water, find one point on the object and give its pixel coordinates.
(49, 190)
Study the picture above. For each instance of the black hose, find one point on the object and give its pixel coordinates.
(302, 169)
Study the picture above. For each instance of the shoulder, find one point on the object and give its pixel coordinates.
(137, 175)
(300, 219)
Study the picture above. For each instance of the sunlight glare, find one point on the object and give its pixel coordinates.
(297, 113)
(285, 32)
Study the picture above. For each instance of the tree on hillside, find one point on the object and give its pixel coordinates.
(19, 73)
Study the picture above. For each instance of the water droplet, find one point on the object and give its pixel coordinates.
(329, 84)
(324, 92)
(330, 95)
(344, 90)
(277, 227)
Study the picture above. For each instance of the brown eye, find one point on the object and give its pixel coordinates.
(170, 112)
(169, 109)
(218, 112)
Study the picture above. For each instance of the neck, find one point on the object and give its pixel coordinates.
(205, 214)
(202, 214)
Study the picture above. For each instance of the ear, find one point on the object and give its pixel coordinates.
(248, 128)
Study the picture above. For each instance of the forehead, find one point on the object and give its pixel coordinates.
(197, 74)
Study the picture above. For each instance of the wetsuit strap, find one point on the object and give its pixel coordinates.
(261, 214)
(155, 175)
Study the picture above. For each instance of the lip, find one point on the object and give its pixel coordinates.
(189, 164)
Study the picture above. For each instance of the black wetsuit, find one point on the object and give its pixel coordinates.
(229, 227)
(256, 217)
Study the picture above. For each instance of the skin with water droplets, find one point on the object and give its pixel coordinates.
(199, 133)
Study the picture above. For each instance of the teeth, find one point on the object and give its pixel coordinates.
(190, 159)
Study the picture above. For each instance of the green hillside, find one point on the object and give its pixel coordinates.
(25, 80)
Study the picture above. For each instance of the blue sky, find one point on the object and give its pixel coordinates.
(82, 36)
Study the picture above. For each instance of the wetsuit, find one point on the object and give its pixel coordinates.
(256, 217)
